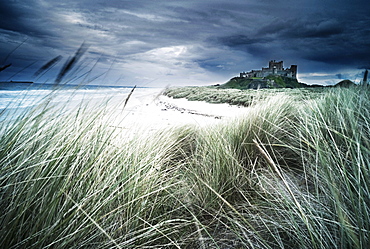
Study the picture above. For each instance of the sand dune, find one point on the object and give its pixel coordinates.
(148, 110)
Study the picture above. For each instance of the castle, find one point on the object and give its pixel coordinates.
(275, 68)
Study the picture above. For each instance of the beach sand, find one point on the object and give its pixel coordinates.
(148, 111)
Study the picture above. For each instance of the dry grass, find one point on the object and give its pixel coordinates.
(290, 174)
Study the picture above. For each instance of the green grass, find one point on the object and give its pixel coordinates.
(271, 82)
(248, 97)
(292, 173)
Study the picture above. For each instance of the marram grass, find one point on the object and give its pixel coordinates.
(292, 173)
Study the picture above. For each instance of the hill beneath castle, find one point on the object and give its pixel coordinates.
(274, 81)
(271, 81)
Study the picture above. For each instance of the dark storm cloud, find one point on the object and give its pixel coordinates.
(300, 28)
(210, 38)
(327, 40)
(12, 17)
(23, 18)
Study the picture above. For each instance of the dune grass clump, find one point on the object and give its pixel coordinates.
(67, 182)
(214, 94)
(336, 134)
(321, 202)
(211, 95)
(292, 173)
(223, 166)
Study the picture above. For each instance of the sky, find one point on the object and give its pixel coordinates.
(188, 42)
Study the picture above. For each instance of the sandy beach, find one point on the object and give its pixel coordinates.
(149, 110)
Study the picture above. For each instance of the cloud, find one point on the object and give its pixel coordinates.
(321, 40)
(179, 40)
(301, 28)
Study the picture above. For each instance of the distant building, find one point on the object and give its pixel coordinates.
(275, 68)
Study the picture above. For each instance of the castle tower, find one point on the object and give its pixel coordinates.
(277, 64)
(293, 69)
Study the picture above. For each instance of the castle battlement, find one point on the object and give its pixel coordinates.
(275, 68)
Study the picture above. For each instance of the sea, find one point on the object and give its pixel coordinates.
(17, 97)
